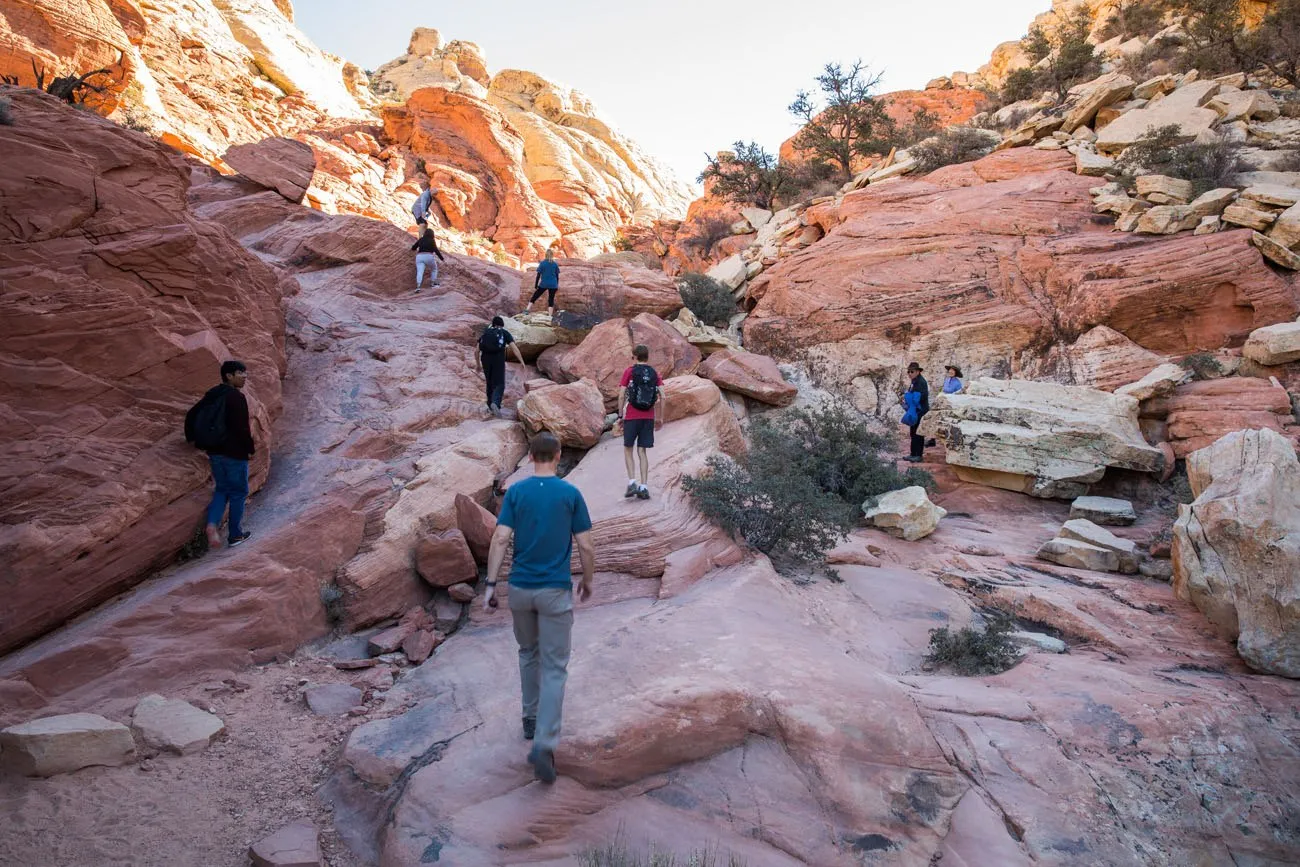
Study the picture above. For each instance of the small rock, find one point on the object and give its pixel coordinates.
(906, 513)
(419, 645)
(1039, 640)
(1078, 555)
(63, 744)
(379, 677)
(1162, 570)
(446, 614)
(332, 699)
(353, 664)
(1104, 510)
(295, 845)
(174, 725)
(390, 639)
(1275, 252)
(1089, 533)
(463, 593)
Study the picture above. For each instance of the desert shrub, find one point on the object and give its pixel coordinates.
(710, 301)
(1020, 84)
(6, 119)
(618, 854)
(1288, 162)
(1133, 18)
(956, 144)
(1064, 52)
(622, 243)
(1206, 165)
(331, 596)
(747, 175)
(1203, 365)
(970, 651)
(846, 120)
(1219, 41)
(819, 463)
(809, 181)
(707, 233)
(196, 547)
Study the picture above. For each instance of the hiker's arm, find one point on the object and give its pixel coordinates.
(519, 356)
(587, 554)
(478, 363)
(661, 408)
(537, 279)
(622, 400)
(496, 554)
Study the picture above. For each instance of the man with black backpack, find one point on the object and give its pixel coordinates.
(219, 425)
(641, 406)
(490, 360)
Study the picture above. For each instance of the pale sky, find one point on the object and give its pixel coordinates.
(685, 77)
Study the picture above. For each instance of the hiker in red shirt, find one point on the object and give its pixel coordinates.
(641, 407)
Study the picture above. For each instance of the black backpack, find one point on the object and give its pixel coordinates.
(208, 426)
(492, 341)
(643, 389)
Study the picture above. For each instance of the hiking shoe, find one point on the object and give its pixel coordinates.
(643, 493)
(543, 762)
(913, 459)
(632, 490)
(530, 728)
(417, 288)
(236, 540)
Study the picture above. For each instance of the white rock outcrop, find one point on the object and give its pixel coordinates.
(906, 513)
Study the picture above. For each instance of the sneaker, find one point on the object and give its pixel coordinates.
(242, 537)
(912, 459)
(530, 728)
(437, 282)
(643, 493)
(632, 490)
(417, 288)
(543, 762)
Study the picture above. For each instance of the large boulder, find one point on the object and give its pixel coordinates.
(906, 513)
(1274, 344)
(281, 164)
(750, 374)
(1182, 108)
(1198, 413)
(62, 744)
(444, 559)
(605, 290)
(688, 395)
(607, 351)
(1236, 548)
(476, 524)
(1078, 555)
(1039, 438)
(575, 413)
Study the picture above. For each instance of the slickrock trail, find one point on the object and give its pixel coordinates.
(1118, 476)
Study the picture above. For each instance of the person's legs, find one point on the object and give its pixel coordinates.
(497, 389)
(645, 465)
(629, 460)
(555, 629)
(918, 443)
(419, 270)
(645, 441)
(237, 482)
(550, 302)
(538, 293)
(523, 611)
(220, 496)
(433, 269)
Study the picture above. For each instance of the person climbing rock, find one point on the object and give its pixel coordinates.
(490, 360)
(219, 425)
(543, 515)
(641, 407)
(916, 403)
(427, 255)
(548, 281)
(420, 210)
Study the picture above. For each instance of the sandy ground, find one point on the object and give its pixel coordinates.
(203, 809)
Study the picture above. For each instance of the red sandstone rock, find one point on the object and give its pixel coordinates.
(688, 395)
(750, 374)
(418, 645)
(604, 290)
(444, 559)
(477, 525)
(390, 639)
(280, 164)
(1198, 413)
(575, 413)
(551, 362)
(606, 352)
(462, 593)
(534, 384)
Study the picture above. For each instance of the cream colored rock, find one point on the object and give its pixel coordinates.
(1129, 219)
(1161, 84)
(1039, 438)
(1213, 202)
(1286, 228)
(1180, 108)
(1244, 213)
(1167, 220)
(1244, 105)
(1274, 344)
(1273, 195)
(1109, 511)
(1158, 383)
(1084, 530)
(757, 217)
(730, 272)
(174, 726)
(906, 513)
(1077, 555)
(1164, 190)
(1236, 548)
(1091, 163)
(1106, 90)
(1275, 252)
(1208, 226)
(63, 744)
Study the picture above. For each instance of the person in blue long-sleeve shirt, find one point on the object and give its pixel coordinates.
(548, 281)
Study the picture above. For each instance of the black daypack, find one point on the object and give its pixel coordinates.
(643, 388)
(492, 341)
(208, 430)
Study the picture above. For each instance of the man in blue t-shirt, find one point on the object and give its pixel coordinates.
(543, 515)
(547, 280)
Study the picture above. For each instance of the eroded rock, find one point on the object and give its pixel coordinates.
(63, 744)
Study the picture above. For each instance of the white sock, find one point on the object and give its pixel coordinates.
(643, 487)
(631, 481)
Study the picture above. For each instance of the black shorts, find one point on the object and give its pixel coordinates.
(550, 295)
(638, 432)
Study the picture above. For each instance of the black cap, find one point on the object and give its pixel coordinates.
(914, 366)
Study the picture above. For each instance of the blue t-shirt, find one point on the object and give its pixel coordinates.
(548, 274)
(544, 512)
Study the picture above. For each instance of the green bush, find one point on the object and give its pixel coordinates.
(956, 144)
(970, 651)
(622, 243)
(818, 464)
(1207, 166)
(710, 301)
(705, 234)
(6, 119)
(1203, 365)
(1134, 18)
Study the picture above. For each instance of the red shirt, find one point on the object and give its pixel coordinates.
(631, 412)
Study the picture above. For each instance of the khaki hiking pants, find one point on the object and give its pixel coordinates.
(543, 618)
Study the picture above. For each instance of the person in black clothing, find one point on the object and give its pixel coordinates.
(427, 255)
(923, 388)
(490, 360)
(228, 457)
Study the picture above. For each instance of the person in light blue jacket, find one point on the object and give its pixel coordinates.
(952, 383)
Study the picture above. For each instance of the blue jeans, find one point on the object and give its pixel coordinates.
(230, 475)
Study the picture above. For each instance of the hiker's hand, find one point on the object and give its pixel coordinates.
(490, 599)
(584, 591)
(659, 424)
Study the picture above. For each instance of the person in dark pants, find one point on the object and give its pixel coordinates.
(490, 360)
(547, 281)
(921, 387)
(543, 515)
(219, 425)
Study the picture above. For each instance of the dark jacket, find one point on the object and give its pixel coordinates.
(920, 385)
(426, 243)
(239, 432)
